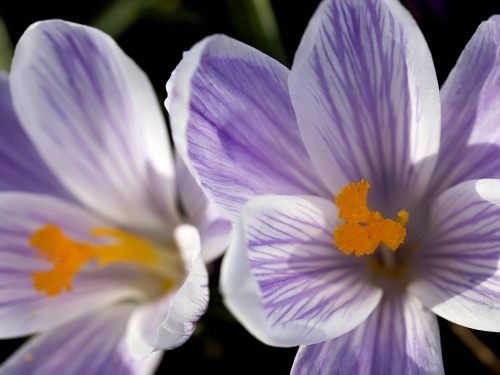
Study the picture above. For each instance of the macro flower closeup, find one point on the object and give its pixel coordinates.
(94, 254)
(366, 200)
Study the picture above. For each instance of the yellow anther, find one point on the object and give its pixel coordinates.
(387, 231)
(351, 202)
(365, 230)
(68, 256)
(128, 248)
(352, 237)
(403, 218)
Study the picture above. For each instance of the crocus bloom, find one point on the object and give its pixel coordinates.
(93, 253)
(354, 151)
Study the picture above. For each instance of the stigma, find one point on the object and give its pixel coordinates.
(364, 230)
(68, 256)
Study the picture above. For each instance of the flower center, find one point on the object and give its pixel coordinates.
(68, 256)
(364, 230)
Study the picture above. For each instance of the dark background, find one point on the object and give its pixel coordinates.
(156, 41)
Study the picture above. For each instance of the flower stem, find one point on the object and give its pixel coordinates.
(484, 354)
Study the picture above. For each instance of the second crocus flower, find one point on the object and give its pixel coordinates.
(362, 207)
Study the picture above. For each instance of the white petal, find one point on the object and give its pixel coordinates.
(215, 230)
(285, 280)
(471, 113)
(93, 116)
(234, 126)
(460, 260)
(365, 93)
(168, 322)
(401, 337)
(91, 345)
(25, 170)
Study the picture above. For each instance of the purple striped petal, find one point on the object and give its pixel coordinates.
(470, 144)
(284, 279)
(365, 93)
(94, 117)
(215, 230)
(460, 275)
(401, 337)
(234, 126)
(21, 168)
(168, 322)
(91, 345)
(24, 310)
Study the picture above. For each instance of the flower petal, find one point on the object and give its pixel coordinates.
(470, 112)
(284, 279)
(460, 272)
(24, 310)
(215, 230)
(365, 93)
(93, 344)
(400, 337)
(234, 126)
(93, 115)
(21, 171)
(168, 322)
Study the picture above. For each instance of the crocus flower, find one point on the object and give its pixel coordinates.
(93, 252)
(366, 201)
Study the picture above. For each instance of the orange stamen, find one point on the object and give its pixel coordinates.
(364, 230)
(68, 256)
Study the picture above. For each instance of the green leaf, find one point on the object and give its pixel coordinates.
(119, 15)
(256, 22)
(6, 47)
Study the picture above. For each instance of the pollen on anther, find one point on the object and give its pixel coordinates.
(364, 230)
(69, 256)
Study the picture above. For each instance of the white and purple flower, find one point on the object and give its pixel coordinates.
(288, 155)
(94, 255)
